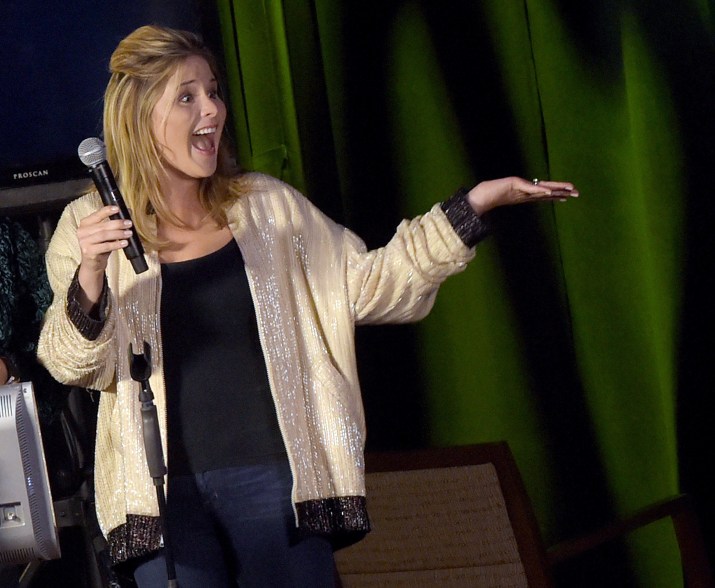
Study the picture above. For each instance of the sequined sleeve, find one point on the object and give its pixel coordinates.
(64, 348)
(398, 282)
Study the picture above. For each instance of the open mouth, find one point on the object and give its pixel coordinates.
(204, 140)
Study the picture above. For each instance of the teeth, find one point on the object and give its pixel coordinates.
(206, 131)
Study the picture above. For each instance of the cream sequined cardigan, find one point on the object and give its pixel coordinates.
(312, 281)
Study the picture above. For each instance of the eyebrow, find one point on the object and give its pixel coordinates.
(186, 83)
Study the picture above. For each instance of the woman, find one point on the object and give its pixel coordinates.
(249, 307)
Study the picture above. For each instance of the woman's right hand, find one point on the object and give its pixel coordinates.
(98, 236)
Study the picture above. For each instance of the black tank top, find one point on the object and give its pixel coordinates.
(219, 406)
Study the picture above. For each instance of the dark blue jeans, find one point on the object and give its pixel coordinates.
(235, 527)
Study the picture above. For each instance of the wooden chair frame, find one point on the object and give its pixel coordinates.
(537, 560)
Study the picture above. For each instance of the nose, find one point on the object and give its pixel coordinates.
(209, 107)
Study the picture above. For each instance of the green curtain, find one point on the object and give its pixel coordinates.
(565, 336)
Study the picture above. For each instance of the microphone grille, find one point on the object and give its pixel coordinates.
(92, 151)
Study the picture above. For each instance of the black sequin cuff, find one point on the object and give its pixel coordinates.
(343, 519)
(89, 326)
(139, 536)
(470, 227)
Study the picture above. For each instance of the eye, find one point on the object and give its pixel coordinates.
(214, 94)
(185, 98)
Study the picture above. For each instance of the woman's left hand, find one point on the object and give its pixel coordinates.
(507, 191)
(4, 372)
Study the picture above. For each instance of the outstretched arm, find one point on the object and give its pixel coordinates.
(398, 282)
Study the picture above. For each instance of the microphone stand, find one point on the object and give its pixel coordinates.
(140, 370)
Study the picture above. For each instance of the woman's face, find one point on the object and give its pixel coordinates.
(187, 121)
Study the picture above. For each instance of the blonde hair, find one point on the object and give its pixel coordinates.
(141, 66)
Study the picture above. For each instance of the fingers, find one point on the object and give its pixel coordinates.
(98, 235)
(549, 190)
(98, 217)
(491, 194)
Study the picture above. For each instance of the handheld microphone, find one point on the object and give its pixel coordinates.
(92, 153)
